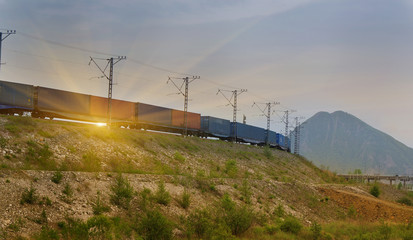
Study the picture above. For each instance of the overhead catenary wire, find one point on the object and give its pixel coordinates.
(142, 63)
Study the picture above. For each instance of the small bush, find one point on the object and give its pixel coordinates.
(68, 193)
(122, 192)
(91, 162)
(316, 230)
(185, 199)
(29, 196)
(399, 186)
(57, 177)
(47, 233)
(155, 226)
(231, 168)
(98, 206)
(375, 191)
(178, 157)
(268, 153)
(238, 219)
(40, 155)
(146, 196)
(3, 142)
(291, 225)
(99, 227)
(405, 201)
(200, 223)
(162, 196)
(279, 211)
(74, 229)
(246, 192)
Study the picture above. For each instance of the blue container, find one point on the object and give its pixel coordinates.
(248, 133)
(287, 140)
(16, 95)
(280, 140)
(273, 138)
(153, 114)
(217, 127)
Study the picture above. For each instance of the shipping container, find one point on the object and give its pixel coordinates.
(248, 133)
(272, 138)
(152, 114)
(216, 126)
(280, 140)
(62, 101)
(193, 119)
(16, 95)
(121, 110)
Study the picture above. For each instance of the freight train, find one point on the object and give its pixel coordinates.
(41, 102)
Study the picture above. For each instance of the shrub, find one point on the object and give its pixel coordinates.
(3, 142)
(375, 191)
(268, 152)
(99, 206)
(40, 155)
(279, 211)
(291, 225)
(231, 168)
(99, 227)
(405, 201)
(162, 196)
(29, 196)
(122, 192)
(145, 198)
(200, 223)
(178, 157)
(238, 219)
(57, 177)
(185, 199)
(316, 230)
(73, 229)
(91, 162)
(155, 226)
(399, 186)
(246, 192)
(47, 233)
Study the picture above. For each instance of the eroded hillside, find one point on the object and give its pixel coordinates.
(56, 174)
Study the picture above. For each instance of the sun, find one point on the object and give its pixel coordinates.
(100, 124)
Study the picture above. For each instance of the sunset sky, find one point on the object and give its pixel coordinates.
(309, 55)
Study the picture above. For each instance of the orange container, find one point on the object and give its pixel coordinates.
(121, 110)
(193, 119)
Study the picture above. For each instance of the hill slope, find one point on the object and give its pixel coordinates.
(344, 143)
(62, 180)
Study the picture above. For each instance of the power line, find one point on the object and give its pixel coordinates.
(234, 95)
(6, 33)
(185, 82)
(110, 63)
(65, 45)
(268, 115)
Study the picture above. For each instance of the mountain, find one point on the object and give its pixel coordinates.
(344, 143)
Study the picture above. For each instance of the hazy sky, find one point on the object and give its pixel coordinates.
(310, 55)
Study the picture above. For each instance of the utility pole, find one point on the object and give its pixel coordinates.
(234, 96)
(268, 115)
(6, 33)
(286, 121)
(110, 62)
(297, 135)
(186, 82)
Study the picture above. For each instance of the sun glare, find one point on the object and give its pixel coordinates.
(100, 124)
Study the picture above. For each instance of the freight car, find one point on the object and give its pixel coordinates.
(44, 102)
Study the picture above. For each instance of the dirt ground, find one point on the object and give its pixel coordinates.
(368, 207)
